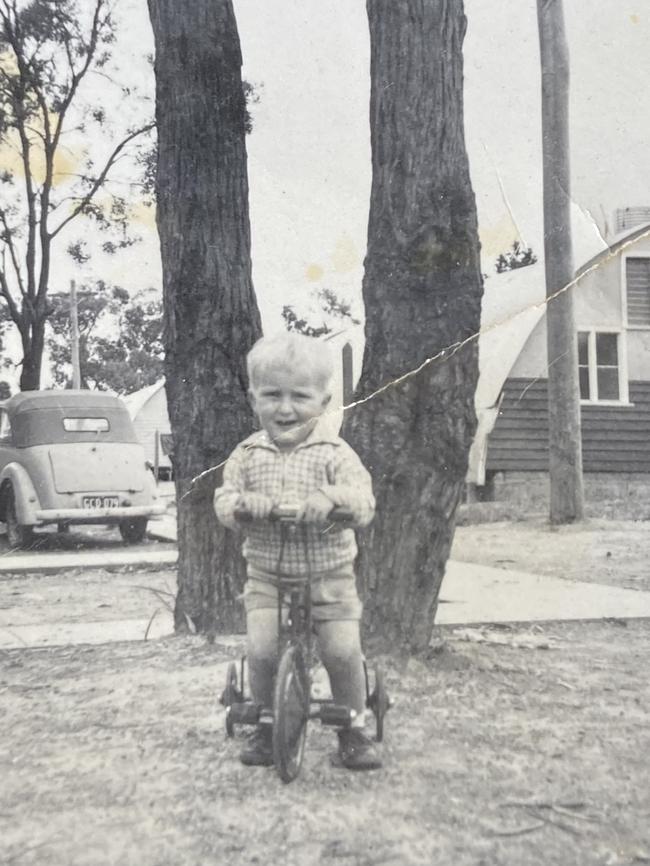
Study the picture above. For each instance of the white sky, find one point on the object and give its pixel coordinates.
(309, 153)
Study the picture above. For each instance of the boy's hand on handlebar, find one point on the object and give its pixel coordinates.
(257, 505)
(315, 509)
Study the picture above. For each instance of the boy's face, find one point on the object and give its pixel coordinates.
(287, 402)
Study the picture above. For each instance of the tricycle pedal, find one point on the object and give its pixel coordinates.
(246, 713)
(336, 714)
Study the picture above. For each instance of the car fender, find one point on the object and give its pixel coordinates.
(27, 502)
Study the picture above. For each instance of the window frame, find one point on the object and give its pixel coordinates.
(626, 321)
(69, 425)
(621, 349)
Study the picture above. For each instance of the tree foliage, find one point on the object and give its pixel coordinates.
(47, 49)
(518, 256)
(120, 338)
(337, 312)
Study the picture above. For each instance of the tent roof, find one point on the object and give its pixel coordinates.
(136, 401)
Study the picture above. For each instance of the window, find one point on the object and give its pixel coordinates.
(602, 379)
(86, 425)
(637, 284)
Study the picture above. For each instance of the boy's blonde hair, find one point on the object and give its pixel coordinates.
(291, 351)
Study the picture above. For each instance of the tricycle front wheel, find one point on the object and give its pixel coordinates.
(290, 713)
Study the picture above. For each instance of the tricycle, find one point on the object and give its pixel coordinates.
(293, 701)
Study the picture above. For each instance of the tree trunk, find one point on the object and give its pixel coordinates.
(565, 446)
(33, 342)
(210, 313)
(422, 290)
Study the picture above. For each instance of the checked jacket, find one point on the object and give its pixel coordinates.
(321, 462)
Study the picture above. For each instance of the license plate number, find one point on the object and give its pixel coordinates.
(101, 501)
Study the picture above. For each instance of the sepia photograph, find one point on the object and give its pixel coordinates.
(324, 433)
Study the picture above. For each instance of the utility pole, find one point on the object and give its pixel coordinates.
(565, 446)
(74, 336)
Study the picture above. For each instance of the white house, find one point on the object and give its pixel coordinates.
(148, 410)
(612, 311)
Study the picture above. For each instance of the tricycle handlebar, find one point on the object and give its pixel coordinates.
(284, 514)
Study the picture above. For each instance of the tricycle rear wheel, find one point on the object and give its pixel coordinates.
(379, 703)
(230, 695)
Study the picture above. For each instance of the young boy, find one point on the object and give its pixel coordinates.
(293, 461)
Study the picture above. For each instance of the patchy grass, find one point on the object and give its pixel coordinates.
(506, 746)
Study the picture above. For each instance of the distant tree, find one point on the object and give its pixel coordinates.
(120, 339)
(336, 310)
(516, 257)
(47, 49)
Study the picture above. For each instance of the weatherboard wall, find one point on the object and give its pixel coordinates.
(614, 438)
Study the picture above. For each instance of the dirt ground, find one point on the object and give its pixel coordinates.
(506, 745)
(614, 552)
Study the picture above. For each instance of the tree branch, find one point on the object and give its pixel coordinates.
(78, 76)
(99, 180)
(12, 32)
(14, 312)
(44, 275)
(12, 251)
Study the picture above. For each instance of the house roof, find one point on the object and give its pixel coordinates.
(620, 242)
(136, 401)
(513, 303)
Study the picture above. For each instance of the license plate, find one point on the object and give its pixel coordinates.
(100, 501)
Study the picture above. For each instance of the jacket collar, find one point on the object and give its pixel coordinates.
(318, 436)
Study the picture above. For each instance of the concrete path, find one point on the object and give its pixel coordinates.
(471, 595)
(54, 561)
(48, 634)
(482, 594)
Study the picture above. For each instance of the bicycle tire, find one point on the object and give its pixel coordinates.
(290, 713)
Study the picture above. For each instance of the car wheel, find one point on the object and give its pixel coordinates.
(18, 535)
(134, 530)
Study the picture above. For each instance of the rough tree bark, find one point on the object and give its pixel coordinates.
(210, 313)
(565, 444)
(422, 290)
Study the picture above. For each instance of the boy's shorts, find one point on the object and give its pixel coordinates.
(333, 594)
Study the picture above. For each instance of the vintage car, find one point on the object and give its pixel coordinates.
(70, 457)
